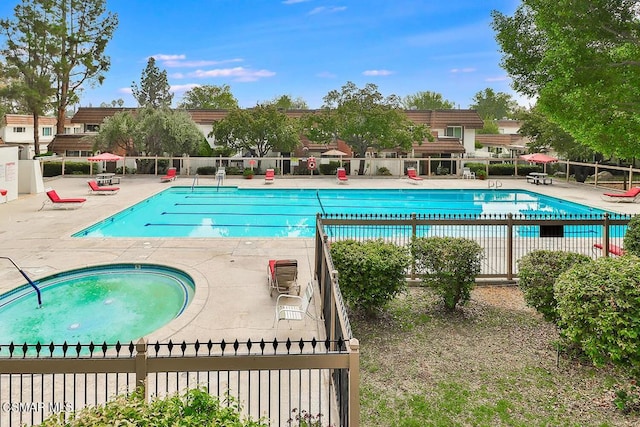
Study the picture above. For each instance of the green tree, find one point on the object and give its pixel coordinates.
(165, 132)
(285, 102)
(364, 119)
(82, 28)
(27, 53)
(263, 128)
(113, 104)
(209, 97)
(580, 59)
(117, 134)
(426, 100)
(492, 105)
(490, 127)
(154, 90)
(544, 134)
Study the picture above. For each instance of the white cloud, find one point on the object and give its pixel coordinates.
(164, 57)
(463, 70)
(183, 88)
(126, 90)
(194, 64)
(377, 73)
(294, 1)
(239, 74)
(324, 9)
(497, 79)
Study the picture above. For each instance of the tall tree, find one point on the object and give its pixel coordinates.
(364, 119)
(154, 90)
(580, 59)
(83, 29)
(209, 97)
(28, 51)
(492, 105)
(286, 102)
(263, 128)
(117, 134)
(426, 100)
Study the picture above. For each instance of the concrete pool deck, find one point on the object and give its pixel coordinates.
(232, 299)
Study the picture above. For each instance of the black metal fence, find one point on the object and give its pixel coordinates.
(269, 379)
(505, 238)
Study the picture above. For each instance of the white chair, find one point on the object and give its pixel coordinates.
(294, 311)
(468, 174)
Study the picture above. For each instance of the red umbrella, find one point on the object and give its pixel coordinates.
(539, 158)
(105, 157)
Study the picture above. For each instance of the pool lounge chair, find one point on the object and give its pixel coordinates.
(94, 188)
(341, 176)
(630, 196)
(269, 176)
(413, 176)
(287, 310)
(170, 176)
(616, 250)
(58, 202)
(468, 174)
(282, 276)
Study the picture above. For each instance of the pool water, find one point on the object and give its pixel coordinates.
(121, 302)
(234, 212)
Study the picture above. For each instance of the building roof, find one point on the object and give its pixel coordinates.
(440, 119)
(27, 120)
(96, 115)
(73, 142)
(501, 140)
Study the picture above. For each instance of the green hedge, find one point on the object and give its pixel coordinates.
(503, 169)
(70, 168)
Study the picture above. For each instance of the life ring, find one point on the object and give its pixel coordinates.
(311, 163)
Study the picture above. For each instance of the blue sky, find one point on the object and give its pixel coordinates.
(305, 48)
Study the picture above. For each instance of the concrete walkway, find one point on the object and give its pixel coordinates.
(232, 299)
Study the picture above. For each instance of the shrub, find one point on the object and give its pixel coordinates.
(206, 170)
(599, 309)
(329, 168)
(383, 171)
(247, 172)
(632, 236)
(371, 273)
(449, 265)
(538, 271)
(195, 408)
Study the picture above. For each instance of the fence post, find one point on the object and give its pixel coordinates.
(414, 233)
(354, 383)
(141, 368)
(605, 234)
(509, 247)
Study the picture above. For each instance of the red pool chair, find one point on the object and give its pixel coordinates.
(613, 249)
(94, 188)
(341, 176)
(282, 276)
(269, 176)
(413, 176)
(170, 176)
(58, 202)
(630, 196)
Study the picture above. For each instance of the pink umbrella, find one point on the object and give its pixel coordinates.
(105, 157)
(539, 158)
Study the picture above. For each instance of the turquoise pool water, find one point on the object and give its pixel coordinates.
(234, 212)
(120, 302)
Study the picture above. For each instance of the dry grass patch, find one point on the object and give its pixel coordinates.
(491, 364)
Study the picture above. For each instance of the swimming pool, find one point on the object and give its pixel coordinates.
(118, 302)
(234, 212)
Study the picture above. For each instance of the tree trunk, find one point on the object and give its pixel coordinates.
(62, 108)
(36, 134)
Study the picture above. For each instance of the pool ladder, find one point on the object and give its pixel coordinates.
(195, 182)
(494, 183)
(33, 285)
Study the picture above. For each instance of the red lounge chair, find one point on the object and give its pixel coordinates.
(413, 177)
(170, 176)
(269, 176)
(94, 188)
(613, 249)
(630, 196)
(341, 175)
(62, 203)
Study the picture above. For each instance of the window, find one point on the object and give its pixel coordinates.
(72, 153)
(455, 131)
(19, 129)
(92, 128)
(46, 131)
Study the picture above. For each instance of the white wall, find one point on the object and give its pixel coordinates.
(9, 172)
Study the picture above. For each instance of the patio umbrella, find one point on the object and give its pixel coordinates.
(105, 157)
(539, 158)
(335, 153)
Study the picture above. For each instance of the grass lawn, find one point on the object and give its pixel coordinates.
(492, 363)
